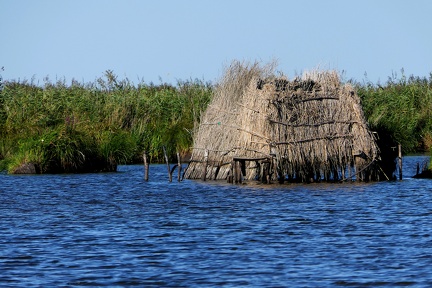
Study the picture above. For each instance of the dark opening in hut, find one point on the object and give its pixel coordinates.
(263, 127)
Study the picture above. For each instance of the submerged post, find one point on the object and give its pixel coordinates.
(237, 172)
(167, 163)
(146, 166)
(400, 160)
(204, 175)
(179, 167)
(230, 178)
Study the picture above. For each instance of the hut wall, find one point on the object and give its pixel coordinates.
(310, 129)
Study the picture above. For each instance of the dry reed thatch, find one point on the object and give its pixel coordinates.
(309, 129)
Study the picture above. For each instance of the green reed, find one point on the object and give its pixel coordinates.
(400, 108)
(63, 126)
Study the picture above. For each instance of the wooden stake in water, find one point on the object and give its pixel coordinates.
(204, 175)
(238, 172)
(179, 167)
(146, 166)
(400, 160)
(167, 163)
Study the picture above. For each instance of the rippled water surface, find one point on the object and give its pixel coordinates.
(116, 230)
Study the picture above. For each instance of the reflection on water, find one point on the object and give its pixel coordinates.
(114, 229)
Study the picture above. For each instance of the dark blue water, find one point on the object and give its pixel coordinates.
(115, 230)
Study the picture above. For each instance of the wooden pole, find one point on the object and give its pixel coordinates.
(230, 178)
(179, 167)
(265, 172)
(218, 169)
(238, 172)
(400, 160)
(204, 175)
(233, 171)
(167, 163)
(146, 166)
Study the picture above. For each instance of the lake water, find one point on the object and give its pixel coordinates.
(115, 230)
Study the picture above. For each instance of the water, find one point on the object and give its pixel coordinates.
(115, 230)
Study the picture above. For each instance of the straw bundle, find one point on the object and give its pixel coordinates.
(308, 129)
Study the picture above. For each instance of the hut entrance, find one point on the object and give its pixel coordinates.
(242, 167)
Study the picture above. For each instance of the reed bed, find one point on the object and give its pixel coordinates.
(401, 109)
(65, 127)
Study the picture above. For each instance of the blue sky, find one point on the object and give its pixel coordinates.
(171, 40)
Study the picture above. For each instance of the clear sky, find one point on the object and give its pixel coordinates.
(183, 39)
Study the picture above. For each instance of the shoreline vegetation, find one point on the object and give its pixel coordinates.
(92, 127)
(400, 111)
(58, 127)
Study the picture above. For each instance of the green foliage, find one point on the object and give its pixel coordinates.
(118, 147)
(402, 108)
(108, 119)
(65, 150)
(60, 150)
(28, 151)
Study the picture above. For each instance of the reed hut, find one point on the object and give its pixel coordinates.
(265, 127)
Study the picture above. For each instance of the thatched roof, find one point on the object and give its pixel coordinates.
(309, 129)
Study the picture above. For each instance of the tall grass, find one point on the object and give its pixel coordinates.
(401, 110)
(63, 126)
